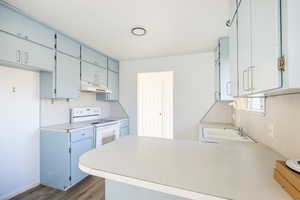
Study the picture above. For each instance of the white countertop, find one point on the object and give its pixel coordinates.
(188, 169)
(68, 127)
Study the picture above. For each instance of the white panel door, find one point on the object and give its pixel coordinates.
(266, 45)
(154, 105)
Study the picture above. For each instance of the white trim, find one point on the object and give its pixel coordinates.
(19, 191)
(149, 185)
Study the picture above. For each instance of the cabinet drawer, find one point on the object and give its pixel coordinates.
(113, 65)
(68, 46)
(81, 134)
(22, 26)
(94, 57)
(24, 54)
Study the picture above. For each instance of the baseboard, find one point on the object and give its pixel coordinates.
(18, 191)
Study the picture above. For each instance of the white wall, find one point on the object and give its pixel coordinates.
(58, 112)
(279, 128)
(19, 131)
(193, 89)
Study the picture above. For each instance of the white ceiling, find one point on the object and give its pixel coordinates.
(174, 26)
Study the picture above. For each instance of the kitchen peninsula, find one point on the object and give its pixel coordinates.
(144, 168)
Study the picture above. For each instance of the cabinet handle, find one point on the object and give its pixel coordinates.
(228, 85)
(251, 69)
(244, 88)
(18, 56)
(26, 57)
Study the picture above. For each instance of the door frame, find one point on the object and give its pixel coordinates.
(168, 103)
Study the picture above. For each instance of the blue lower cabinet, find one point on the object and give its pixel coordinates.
(59, 156)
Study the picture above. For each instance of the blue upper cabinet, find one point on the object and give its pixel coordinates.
(113, 65)
(67, 46)
(94, 57)
(93, 74)
(67, 76)
(24, 27)
(20, 53)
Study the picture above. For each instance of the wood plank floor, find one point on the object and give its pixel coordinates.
(91, 188)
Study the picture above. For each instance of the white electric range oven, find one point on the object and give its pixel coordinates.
(105, 130)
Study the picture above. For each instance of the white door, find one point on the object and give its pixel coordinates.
(155, 104)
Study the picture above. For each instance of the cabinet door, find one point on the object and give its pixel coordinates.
(101, 76)
(67, 77)
(88, 72)
(94, 57)
(217, 73)
(124, 131)
(22, 26)
(68, 46)
(21, 53)
(113, 65)
(266, 45)
(113, 85)
(77, 149)
(233, 53)
(225, 78)
(244, 47)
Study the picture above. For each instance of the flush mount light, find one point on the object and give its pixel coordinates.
(138, 31)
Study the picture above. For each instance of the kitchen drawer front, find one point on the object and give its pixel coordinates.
(24, 54)
(81, 134)
(68, 46)
(124, 123)
(94, 57)
(24, 27)
(113, 65)
(124, 131)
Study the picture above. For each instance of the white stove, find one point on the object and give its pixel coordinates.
(106, 130)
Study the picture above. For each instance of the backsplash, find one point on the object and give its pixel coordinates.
(278, 128)
(58, 112)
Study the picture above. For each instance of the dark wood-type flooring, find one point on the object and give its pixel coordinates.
(91, 188)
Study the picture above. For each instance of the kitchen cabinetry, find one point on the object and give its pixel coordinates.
(65, 81)
(59, 156)
(67, 46)
(93, 74)
(124, 127)
(20, 53)
(233, 56)
(24, 27)
(223, 71)
(91, 56)
(112, 82)
(259, 46)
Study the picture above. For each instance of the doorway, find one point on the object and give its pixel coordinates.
(155, 104)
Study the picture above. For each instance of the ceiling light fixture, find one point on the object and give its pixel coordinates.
(138, 31)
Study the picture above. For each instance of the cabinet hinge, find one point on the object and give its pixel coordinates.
(281, 63)
(70, 150)
(55, 36)
(55, 57)
(70, 178)
(54, 91)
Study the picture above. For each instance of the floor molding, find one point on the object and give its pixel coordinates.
(20, 191)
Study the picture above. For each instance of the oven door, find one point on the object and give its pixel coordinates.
(107, 134)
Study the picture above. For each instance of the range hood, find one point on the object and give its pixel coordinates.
(90, 87)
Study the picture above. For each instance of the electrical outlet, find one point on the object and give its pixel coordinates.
(271, 130)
